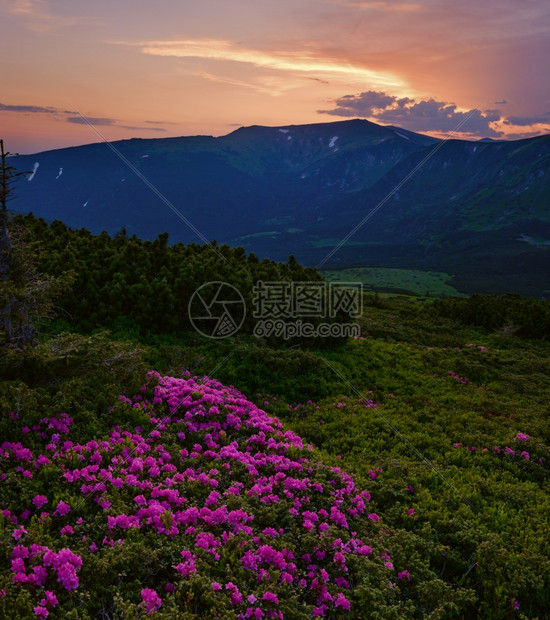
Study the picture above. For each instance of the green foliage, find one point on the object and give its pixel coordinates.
(83, 375)
(249, 363)
(480, 514)
(144, 287)
(507, 314)
(467, 517)
(26, 295)
(408, 281)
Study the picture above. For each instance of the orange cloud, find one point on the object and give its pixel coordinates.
(387, 7)
(38, 16)
(298, 61)
(267, 85)
(27, 7)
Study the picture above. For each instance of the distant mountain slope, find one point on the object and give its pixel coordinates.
(479, 210)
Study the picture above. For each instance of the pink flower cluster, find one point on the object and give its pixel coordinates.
(48, 602)
(60, 425)
(150, 600)
(65, 564)
(510, 452)
(462, 380)
(206, 450)
(479, 346)
(367, 403)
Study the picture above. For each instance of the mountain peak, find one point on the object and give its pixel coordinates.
(300, 189)
(346, 125)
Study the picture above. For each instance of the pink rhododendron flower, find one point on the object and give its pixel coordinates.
(19, 532)
(62, 509)
(151, 600)
(39, 500)
(66, 575)
(50, 599)
(270, 598)
(342, 601)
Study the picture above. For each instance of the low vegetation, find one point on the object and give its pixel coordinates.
(408, 281)
(402, 474)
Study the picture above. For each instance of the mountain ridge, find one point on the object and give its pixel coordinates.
(300, 189)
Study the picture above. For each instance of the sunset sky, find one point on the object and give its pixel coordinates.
(144, 68)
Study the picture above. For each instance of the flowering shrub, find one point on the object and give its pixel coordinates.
(209, 506)
(537, 452)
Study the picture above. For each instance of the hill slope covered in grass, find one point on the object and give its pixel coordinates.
(131, 485)
(450, 444)
(196, 503)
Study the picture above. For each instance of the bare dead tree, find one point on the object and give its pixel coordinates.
(26, 295)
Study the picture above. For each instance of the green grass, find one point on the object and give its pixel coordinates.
(413, 281)
(480, 517)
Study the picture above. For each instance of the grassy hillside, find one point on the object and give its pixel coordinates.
(409, 281)
(446, 427)
(402, 474)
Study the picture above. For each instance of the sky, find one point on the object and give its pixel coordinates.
(163, 68)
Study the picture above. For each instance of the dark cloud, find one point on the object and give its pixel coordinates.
(503, 102)
(33, 109)
(363, 104)
(524, 121)
(109, 122)
(69, 117)
(316, 79)
(79, 120)
(424, 115)
(133, 128)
